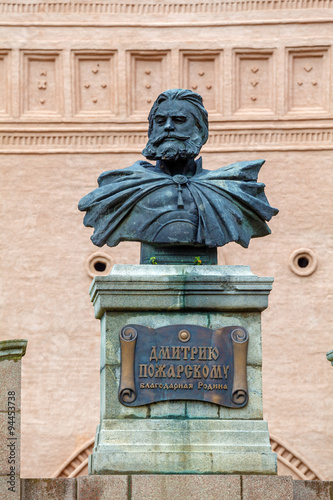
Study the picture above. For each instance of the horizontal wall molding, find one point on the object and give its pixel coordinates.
(169, 22)
(43, 9)
(42, 141)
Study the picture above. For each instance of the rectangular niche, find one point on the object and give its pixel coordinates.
(254, 82)
(4, 83)
(148, 77)
(41, 85)
(94, 89)
(308, 80)
(201, 72)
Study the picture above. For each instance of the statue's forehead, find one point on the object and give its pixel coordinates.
(173, 107)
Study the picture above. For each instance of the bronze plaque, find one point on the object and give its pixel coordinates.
(185, 362)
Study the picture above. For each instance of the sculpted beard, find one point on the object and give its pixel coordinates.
(171, 147)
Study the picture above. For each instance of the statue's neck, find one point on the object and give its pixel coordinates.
(179, 167)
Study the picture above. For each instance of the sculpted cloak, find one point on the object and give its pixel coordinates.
(212, 208)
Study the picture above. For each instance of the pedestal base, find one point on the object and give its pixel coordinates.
(185, 436)
(182, 447)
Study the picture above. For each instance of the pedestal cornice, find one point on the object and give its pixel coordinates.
(12, 349)
(180, 288)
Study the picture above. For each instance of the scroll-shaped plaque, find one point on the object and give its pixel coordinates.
(187, 362)
(239, 337)
(127, 392)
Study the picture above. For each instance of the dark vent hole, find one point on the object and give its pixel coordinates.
(303, 262)
(99, 266)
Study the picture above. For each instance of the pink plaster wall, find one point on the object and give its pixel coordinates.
(53, 152)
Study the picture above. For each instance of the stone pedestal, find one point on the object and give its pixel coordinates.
(180, 436)
(11, 352)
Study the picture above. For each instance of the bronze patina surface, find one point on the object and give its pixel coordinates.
(176, 202)
(183, 362)
(177, 254)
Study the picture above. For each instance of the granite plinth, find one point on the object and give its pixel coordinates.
(180, 436)
(188, 446)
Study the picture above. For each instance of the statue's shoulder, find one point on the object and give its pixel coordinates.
(139, 165)
(241, 170)
(112, 175)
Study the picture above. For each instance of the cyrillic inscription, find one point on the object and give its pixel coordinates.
(157, 366)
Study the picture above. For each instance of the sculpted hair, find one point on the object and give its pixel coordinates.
(200, 115)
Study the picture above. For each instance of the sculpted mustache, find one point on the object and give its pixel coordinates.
(162, 137)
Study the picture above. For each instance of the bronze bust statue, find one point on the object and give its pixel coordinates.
(176, 203)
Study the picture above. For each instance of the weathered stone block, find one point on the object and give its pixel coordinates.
(180, 288)
(313, 490)
(196, 487)
(267, 488)
(201, 409)
(11, 352)
(49, 489)
(110, 406)
(254, 409)
(10, 381)
(167, 409)
(10, 494)
(195, 446)
(102, 488)
(249, 320)
(9, 444)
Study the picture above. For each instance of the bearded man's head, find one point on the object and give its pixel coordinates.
(178, 126)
